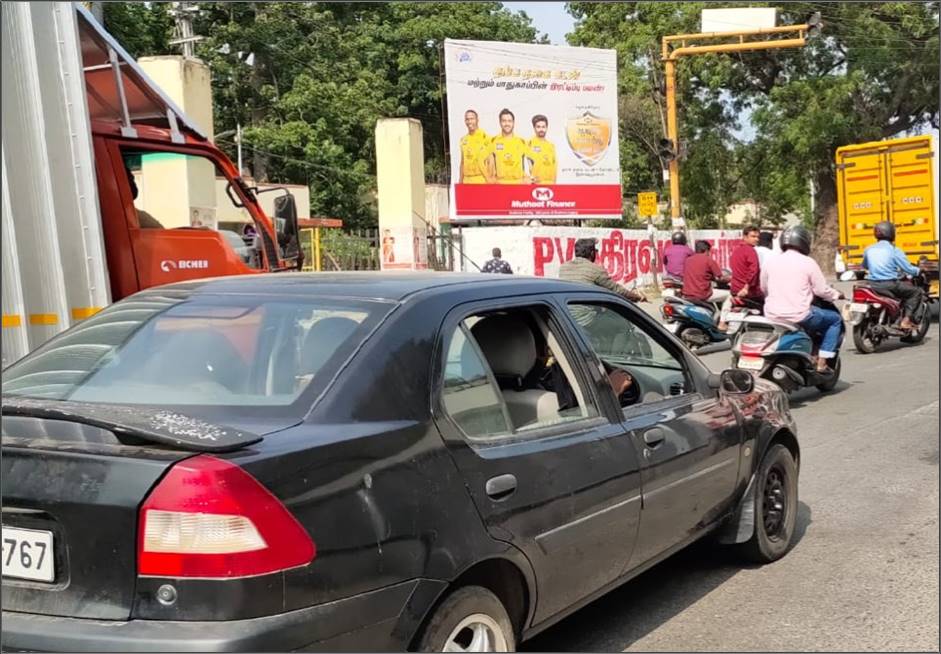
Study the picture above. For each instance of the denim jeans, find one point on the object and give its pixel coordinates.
(827, 323)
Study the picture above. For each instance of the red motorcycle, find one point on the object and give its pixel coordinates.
(875, 316)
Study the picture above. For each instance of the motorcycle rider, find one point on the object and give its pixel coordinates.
(883, 260)
(746, 273)
(700, 271)
(675, 256)
(790, 281)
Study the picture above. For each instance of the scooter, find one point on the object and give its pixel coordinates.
(875, 315)
(696, 322)
(784, 353)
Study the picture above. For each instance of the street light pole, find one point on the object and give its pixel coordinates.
(741, 44)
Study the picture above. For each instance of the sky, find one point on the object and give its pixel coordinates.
(548, 18)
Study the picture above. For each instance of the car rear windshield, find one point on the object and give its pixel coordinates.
(231, 352)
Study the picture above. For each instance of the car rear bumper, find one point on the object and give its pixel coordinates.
(365, 622)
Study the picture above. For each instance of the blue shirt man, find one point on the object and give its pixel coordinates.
(884, 261)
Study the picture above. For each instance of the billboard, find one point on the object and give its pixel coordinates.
(533, 131)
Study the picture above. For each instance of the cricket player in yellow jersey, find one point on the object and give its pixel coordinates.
(542, 153)
(476, 153)
(509, 151)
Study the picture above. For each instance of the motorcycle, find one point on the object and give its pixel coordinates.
(784, 353)
(875, 315)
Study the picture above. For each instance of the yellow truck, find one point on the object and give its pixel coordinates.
(889, 180)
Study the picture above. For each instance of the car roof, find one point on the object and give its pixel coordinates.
(390, 286)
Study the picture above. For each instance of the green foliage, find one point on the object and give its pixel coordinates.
(143, 29)
(873, 73)
(323, 74)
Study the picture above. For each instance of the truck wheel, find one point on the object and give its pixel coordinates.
(775, 507)
(862, 338)
(471, 619)
(918, 335)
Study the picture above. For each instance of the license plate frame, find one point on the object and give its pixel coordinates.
(33, 546)
(751, 363)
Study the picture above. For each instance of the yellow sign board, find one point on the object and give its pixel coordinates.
(647, 205)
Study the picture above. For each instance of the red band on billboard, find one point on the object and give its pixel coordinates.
(500, 200)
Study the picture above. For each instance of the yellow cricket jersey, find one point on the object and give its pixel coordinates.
(542, 154)
(475, 148)
(508, 154)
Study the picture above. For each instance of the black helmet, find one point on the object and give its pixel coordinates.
(796, 237)
(884, 231)
(678, 238)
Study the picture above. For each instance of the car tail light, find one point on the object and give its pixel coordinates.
(209, 518)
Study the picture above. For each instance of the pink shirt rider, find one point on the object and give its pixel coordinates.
(790, 281)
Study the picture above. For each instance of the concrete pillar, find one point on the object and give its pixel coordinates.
(180, 191)
(400, 172)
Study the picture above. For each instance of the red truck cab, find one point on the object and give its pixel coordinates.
(133, 121)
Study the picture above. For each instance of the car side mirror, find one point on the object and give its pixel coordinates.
(286, 226)
(737, 382)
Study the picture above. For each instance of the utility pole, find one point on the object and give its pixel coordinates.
(183, 13)
(676, 46)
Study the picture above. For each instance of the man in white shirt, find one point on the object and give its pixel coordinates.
(765, 247)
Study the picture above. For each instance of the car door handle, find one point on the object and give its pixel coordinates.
(653, 437)
(501, 487)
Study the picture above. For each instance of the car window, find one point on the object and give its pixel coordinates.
(525, 379)
(222, 351)
(623, 343)
(470, 397)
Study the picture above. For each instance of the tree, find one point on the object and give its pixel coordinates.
(872, 74)
(321, 75)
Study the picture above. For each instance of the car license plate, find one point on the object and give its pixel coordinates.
(859, 307)
(27, 554)
(751, 363)
(672, 326)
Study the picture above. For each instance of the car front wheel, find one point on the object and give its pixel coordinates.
(775, 507)
(471, 619)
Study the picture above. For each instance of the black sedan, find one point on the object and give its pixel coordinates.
(367, 462)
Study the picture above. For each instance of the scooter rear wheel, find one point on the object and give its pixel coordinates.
(831, 383)
(693, 337)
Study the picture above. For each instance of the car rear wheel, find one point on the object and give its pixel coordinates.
(775, 507)
(471, 619)
(862, 338)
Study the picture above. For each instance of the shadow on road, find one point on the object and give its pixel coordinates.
(807, 396)
(614, 622)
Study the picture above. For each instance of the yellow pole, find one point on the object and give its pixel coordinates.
(317, 249)
(673, 135)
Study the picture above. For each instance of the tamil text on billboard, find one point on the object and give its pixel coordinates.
(533, 131)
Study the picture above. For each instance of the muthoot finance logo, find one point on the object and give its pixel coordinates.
(542, 193)
(183, 264)
(543, 197)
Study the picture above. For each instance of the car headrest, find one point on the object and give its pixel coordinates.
(322, 340)
(508, 344)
